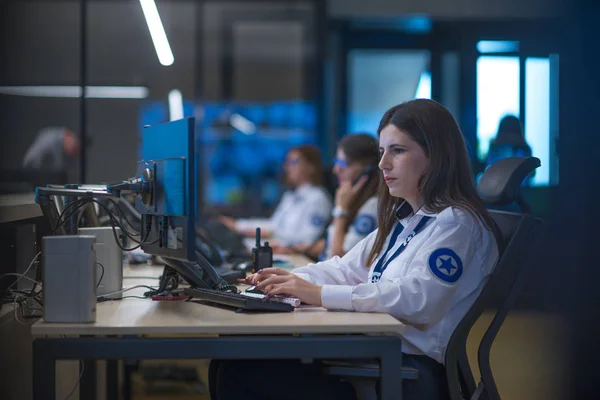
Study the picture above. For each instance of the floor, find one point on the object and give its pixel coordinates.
(526, 359)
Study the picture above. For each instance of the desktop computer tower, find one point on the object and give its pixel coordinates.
(69, 279)
(109, 258)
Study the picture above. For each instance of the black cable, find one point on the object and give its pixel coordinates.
(77, 204)
(129, 236)
(34, 286)
(62, 219)
(101, 275)
(123, 216)
(114, 220)
(29, 295)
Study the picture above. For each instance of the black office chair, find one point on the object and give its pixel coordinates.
(498, 186)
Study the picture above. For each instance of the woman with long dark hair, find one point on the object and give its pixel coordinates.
(426, 264)
(355, 213)
(303, 211)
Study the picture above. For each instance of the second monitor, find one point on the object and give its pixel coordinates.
(168, 155)
(169, 213)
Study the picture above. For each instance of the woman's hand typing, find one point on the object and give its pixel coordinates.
(257, 277)
(276, 281)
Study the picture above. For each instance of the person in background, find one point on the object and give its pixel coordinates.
(355, 212)
(430, 257)
(54, 148)
(301, 215)
(509, 141)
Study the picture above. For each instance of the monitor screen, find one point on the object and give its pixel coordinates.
(168, 216)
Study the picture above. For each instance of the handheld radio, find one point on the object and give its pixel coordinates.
(262, 256)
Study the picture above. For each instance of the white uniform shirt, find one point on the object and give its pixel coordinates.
(300, 217)
(429, 286)
(364, 223)
(47, 151)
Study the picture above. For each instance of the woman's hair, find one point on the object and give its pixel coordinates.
(364, 149)
(447, 181)
(510, 124)
(312, 155)
(510, 130)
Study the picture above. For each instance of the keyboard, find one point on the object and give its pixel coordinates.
(236, 300)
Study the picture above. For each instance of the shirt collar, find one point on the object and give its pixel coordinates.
(303, 188)
(403, 208)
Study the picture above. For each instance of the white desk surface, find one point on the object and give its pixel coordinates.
(15, 207)
(144, 317)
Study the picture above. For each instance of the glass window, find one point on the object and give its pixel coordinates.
(380, 79)
(537, 115)
(424, 86)
(497, 96)
(258, 79)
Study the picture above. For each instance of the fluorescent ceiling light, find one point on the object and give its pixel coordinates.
(92, 92)
(498, 46)
(242, 124)
(157, 32)
(175, 105)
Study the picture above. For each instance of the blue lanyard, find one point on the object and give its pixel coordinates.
(380, 267)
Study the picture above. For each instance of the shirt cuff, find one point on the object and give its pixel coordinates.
(242, 224)
(337, 297)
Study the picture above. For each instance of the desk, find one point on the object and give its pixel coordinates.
(119, 330)
(297, 260)
(16, 207)
(122, 328)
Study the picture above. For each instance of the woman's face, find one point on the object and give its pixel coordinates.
(403, 163)
(344, 170)
(297, 170)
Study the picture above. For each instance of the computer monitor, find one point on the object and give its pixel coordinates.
(168, 215)
(168, 152)
(165, 190)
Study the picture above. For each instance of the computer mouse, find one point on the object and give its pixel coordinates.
(253, 289)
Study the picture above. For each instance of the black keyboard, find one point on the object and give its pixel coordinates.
(237, 300)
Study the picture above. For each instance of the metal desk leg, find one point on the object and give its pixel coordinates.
(129, 366)
(44, 373)
(390, 382)
(87, 386)
(112, 379)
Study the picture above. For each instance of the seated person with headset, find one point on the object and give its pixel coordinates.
(435, 247)
(355, 213)
(303, 211)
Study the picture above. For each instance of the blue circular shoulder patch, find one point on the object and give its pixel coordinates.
(317, 220)
(446, 265)
(364, 224)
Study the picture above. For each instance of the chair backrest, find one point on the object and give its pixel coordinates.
(498, 186)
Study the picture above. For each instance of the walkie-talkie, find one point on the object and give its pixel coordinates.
(262, 256)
